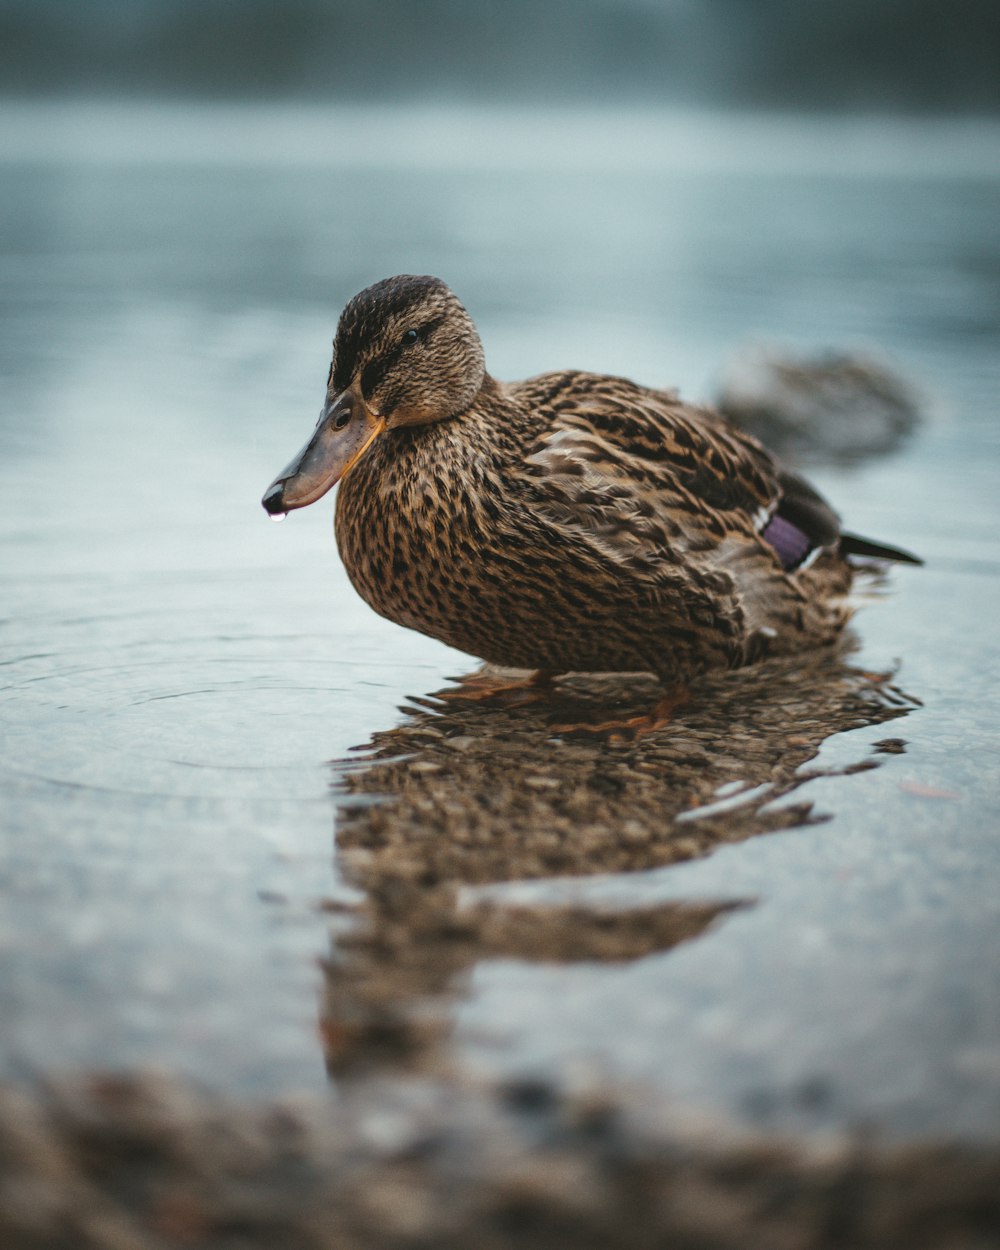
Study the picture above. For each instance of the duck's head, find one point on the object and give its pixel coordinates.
(406, 353)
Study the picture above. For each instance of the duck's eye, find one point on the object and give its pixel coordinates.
(410, 336)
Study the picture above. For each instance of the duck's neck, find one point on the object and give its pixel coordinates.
(406, 463)
(490, 393)
(489, 419)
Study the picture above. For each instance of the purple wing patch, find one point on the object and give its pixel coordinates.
(788, 541)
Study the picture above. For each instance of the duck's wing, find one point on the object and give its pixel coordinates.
(650, 483)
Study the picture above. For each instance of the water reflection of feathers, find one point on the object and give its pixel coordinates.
(470, 795)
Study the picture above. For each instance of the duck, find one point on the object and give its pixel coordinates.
(572, 522)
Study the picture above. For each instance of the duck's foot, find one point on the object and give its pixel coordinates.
(632, 728)
(478, 687)
(885, 685)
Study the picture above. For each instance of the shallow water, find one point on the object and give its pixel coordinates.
(178, 673)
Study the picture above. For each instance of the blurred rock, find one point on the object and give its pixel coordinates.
(840, 406)
(88, 1164)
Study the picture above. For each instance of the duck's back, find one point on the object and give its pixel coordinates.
(747, 551)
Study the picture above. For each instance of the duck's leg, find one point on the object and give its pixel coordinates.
(631, 728)
(478, 687)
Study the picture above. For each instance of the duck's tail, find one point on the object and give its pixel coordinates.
(854, 545)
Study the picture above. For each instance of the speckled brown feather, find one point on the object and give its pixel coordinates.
(572, 522)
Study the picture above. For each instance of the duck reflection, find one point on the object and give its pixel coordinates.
(467, 793)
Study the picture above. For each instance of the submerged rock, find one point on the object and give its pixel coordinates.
(835, 405)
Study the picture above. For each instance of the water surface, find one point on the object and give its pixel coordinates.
(178, 673)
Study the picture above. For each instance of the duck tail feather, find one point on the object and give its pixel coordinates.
(855, 545)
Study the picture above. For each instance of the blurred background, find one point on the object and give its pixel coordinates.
(190, 190)
(886, 54)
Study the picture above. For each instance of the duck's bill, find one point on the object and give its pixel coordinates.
(345, 431)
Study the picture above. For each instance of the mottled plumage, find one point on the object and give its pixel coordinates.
(571, 522)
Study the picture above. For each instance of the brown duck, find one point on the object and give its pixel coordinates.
(570, 522)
